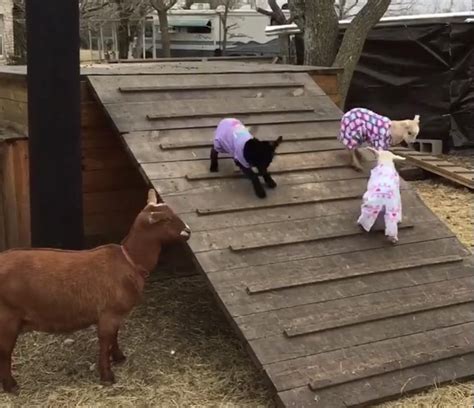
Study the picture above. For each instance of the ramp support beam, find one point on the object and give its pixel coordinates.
(54, 123)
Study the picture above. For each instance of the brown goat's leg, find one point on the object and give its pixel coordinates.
(8, 335)
(107, 329)
(117, 354)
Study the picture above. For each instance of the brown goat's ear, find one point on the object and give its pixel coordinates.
(152, 199)
(277, 142)
(156, 217)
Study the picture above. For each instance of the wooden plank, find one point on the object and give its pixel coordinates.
(22, 188)
(266, 235)
(372, 359)
(209, 143)
(206, 87)
(384, 387)
(234, 295)
(189, 68)
(184, 186)
(408, 304)
(318, 317)
(225, 111)
(133, 116)
(323, 129)
(105, 158)
(444, 169)
(119, 201)
(278, 348)
(334, 264)
(403, 264)
(11, 206)
(112, 180)
(245, 199)
(411, 205)
(150, 153)
(199, 169)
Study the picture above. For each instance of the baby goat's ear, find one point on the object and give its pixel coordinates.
(156, 217)
(417, 118)
(277, 142)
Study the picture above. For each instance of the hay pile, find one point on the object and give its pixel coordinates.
(181, 351)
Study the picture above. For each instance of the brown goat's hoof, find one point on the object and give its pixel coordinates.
(11, 387)
(108, 379)
(119, 358)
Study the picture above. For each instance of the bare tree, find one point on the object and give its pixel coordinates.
(162, 7)
(319, 21)
(223, 10)
(344, 8)
(277, 17)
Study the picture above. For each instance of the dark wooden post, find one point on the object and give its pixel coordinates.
(54, 123)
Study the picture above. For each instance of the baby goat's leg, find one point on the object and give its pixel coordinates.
(214, 161)
(391, 228)
(9, 332)
(355, 160)
(257, 186)
(267, 178)
(117, 354)
(107, 330)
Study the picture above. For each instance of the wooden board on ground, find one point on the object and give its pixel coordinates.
(334, 316)
(457, 174)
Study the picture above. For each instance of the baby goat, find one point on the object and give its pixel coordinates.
(57, 291)
(361, 125)
(233, 138)
(383, 195)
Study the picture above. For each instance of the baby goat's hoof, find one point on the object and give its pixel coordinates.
(214, 169)
(271, 184)
(260, 193)
(393, 240)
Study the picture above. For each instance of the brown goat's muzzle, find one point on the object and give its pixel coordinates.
(186, 233)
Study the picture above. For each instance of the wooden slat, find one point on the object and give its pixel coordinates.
(251, 110)
(322, 129)
(246, 200)
(234, 295)
(286, 139)
(150, 153)
(199, 169)
(268, 234)
(172, 187)
(411, 301)
(222, 260)
(317, 317)
(204, 87)
(383, 387)
(279, 348)
(440, 167)
(401, 265)
(133, 116)
(372, 359)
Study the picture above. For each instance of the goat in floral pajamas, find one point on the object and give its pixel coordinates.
(383, 195)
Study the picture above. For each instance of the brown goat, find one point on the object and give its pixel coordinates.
(58, 291)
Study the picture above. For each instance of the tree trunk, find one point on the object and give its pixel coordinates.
(165, 35)
(354, 40)
(320, 32)
(123, 38)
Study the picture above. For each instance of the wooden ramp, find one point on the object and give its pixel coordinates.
(333, 316)
(437, 165)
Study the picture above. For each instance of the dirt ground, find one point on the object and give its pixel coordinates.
(182, 353)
